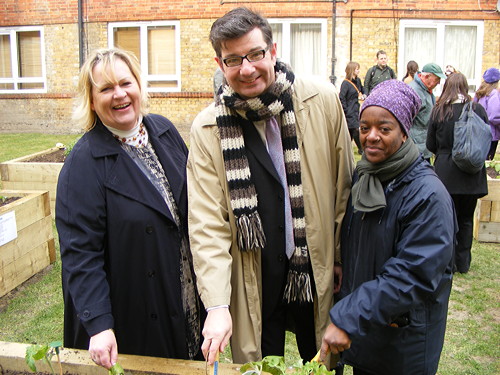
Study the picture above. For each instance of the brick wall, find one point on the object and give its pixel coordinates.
(374, 24)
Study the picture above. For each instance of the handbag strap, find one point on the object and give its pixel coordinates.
(353, 85)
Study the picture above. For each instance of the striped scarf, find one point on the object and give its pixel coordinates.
(231, 109)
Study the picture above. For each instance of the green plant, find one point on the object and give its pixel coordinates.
(70, 146)
(275, 365)
(495, 164)
(45, 353)
(116, 370)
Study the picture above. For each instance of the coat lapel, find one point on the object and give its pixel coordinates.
(124, 176)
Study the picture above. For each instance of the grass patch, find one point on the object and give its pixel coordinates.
(472, 339)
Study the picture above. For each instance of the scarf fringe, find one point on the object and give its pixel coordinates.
(250, 232)
(298, 288)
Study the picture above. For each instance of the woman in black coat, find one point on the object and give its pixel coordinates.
(351, 92)
(464, 188)
(121, 214)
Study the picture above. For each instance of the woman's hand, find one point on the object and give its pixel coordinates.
(103, 348)
(334, 340)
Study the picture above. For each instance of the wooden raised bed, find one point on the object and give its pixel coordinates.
(78, 362)
(34, 247)
(20, 174)
(487, 215)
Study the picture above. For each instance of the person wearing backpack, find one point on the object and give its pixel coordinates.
(378, 73)
(464, 188)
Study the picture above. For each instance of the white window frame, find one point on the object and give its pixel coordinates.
(143, 29)
(16, 80)
(439, 26)
(286, 42)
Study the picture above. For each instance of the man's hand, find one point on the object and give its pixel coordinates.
(337, 278)
(103, 349)
(216, 332)
(334, 340)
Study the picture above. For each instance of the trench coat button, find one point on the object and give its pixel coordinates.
(280, 197)
(151, 273)
(86, 314)
(281, 228)
(149, 229)
(281, 258)
(154, 316)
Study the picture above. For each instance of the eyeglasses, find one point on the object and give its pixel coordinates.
(238, 60)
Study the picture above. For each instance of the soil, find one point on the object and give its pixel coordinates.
(492, 172)
(57, 156)
(8, 200)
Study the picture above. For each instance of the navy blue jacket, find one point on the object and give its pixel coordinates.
(397, 268)
(120, 244)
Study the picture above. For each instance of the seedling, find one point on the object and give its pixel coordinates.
(116, 370)
(275, 365)
(43, 353)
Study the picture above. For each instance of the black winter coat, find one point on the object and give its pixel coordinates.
(350, 103)
(397, 268)
(120, 244)
(440, 141)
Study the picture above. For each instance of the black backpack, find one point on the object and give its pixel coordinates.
(472, 141)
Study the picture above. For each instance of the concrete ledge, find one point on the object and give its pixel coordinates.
(79, 362)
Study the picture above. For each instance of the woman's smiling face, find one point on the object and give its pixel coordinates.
(380, 134)
(116, 96)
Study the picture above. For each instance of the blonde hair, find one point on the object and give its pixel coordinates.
(83, 114)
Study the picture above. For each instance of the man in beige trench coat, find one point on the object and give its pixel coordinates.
(269, 174)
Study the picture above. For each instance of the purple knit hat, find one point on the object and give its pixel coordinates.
(398, 98)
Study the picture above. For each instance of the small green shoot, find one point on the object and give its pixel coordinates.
(116, 370)
(43, 353)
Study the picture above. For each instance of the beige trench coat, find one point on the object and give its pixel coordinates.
(227, 276)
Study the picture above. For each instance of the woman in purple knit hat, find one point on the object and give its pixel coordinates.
(488, 95)
(397, 248)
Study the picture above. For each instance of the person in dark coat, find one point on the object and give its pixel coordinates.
(351, 92)
(397, 248)
(128, 280)
(464, 188)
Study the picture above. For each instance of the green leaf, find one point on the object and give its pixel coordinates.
(56, 345)
(274, 365)
(41, 352)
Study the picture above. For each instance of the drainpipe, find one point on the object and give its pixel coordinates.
(333, 78)
(80, 32)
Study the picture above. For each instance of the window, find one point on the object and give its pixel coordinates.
(22, 61)
(456, 43)
(302, 43)
(157, 46)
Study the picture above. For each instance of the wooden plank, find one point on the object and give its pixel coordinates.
(29, 238)
(33, 206)
(79, 362)
(488, 232)
(29, 264)
(495, 211)
(484, 210)
(493, 190)
(28, 157)
(35, 172)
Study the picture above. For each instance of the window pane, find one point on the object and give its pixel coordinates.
(34, 85)
(306, 48)
(129, 39)
(161, 50)
(463, 59)
(5, 58)
(161, 84)
(278, 37)
(30, 54)
(420, 45)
